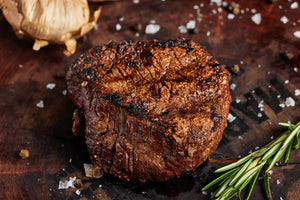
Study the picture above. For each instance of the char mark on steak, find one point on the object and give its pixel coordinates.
(151, 109)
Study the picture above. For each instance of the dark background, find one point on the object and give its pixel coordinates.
(46, 133)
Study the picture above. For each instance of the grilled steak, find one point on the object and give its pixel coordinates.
(151, 110)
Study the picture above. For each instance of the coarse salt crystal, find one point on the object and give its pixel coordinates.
(297, 34)
(77, 192)
(196, 7)
(40, 104)
(278, 96)
(118, 27)
(214, 11)
(208, 33)
(233, 86)
(67, 183)
(182, 29)
(220, 9)
(277, 181)
(280, 198)
(295, 69)
(100, 186)
(152, 28)
(294, 5)
(121, 19)
(237, 100)
(21, 66)
(240, 137)
(230, 16)
(253, 10)
(218, 2)
(297, 92)
(256, 148)
(231, 118)
(242, 62)
(50, 86)
(271, 172)
(286, 81)
(289, 102)
(95, 26)
(259, 115)
(191, 24)
(256, 18)
(284, 19)
(282, 105)
(64, 92)
(136, 1)
(204, 192)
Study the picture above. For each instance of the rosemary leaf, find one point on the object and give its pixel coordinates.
(267, 185)
(233, 165)
(251, 186)
(220, 178)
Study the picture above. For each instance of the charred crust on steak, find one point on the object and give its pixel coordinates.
(152, 110)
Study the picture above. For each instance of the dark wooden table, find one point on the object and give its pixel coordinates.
(265, 80)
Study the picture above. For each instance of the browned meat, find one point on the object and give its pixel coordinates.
(151, 109)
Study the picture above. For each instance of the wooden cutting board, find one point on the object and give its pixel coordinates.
(259, 90)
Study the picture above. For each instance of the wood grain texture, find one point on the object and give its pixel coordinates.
(46, 132)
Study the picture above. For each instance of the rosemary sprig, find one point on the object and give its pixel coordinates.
(247, 169)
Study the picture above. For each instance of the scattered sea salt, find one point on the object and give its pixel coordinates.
(272, 137)
(297, 34)
(67, 183)
(259, 115)
(237, 100)
(294, 5)
(239, 156)
(95, 26)
(289, 102)
(118, 27)
(214, 11)
(136, 1)
(256, 18)
(256, 148)
(282, 105)
(231, 118)
(208, 33)
(280, 198)
(77, 192)
(253, 10)
(100, 186)
(218, 2)
(261, 105)
(297, 92)
(204, 192)
(278, 96)
(250, 151)
(182, 29)
(220, 9)
(40, 104)
(64, 92)
(284, 19)
(230, 16)
(242, 62)
(50, 86)
(286, 81)
(240, 137)
(277, 182)
(232, 86)
(271, 172)
(121, 19)
(191, 24)
(152, 28)
(21, 66)
(196, 7)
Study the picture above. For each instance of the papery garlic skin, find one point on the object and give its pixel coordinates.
(50, 21)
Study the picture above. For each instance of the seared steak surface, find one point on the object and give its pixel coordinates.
(151, 110)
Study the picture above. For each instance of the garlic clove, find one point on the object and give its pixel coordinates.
(39, 44)
(71, 47)
(87, 27)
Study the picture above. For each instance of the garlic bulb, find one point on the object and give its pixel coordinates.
(50, 21)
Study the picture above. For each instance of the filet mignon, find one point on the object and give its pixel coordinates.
(151, 110)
